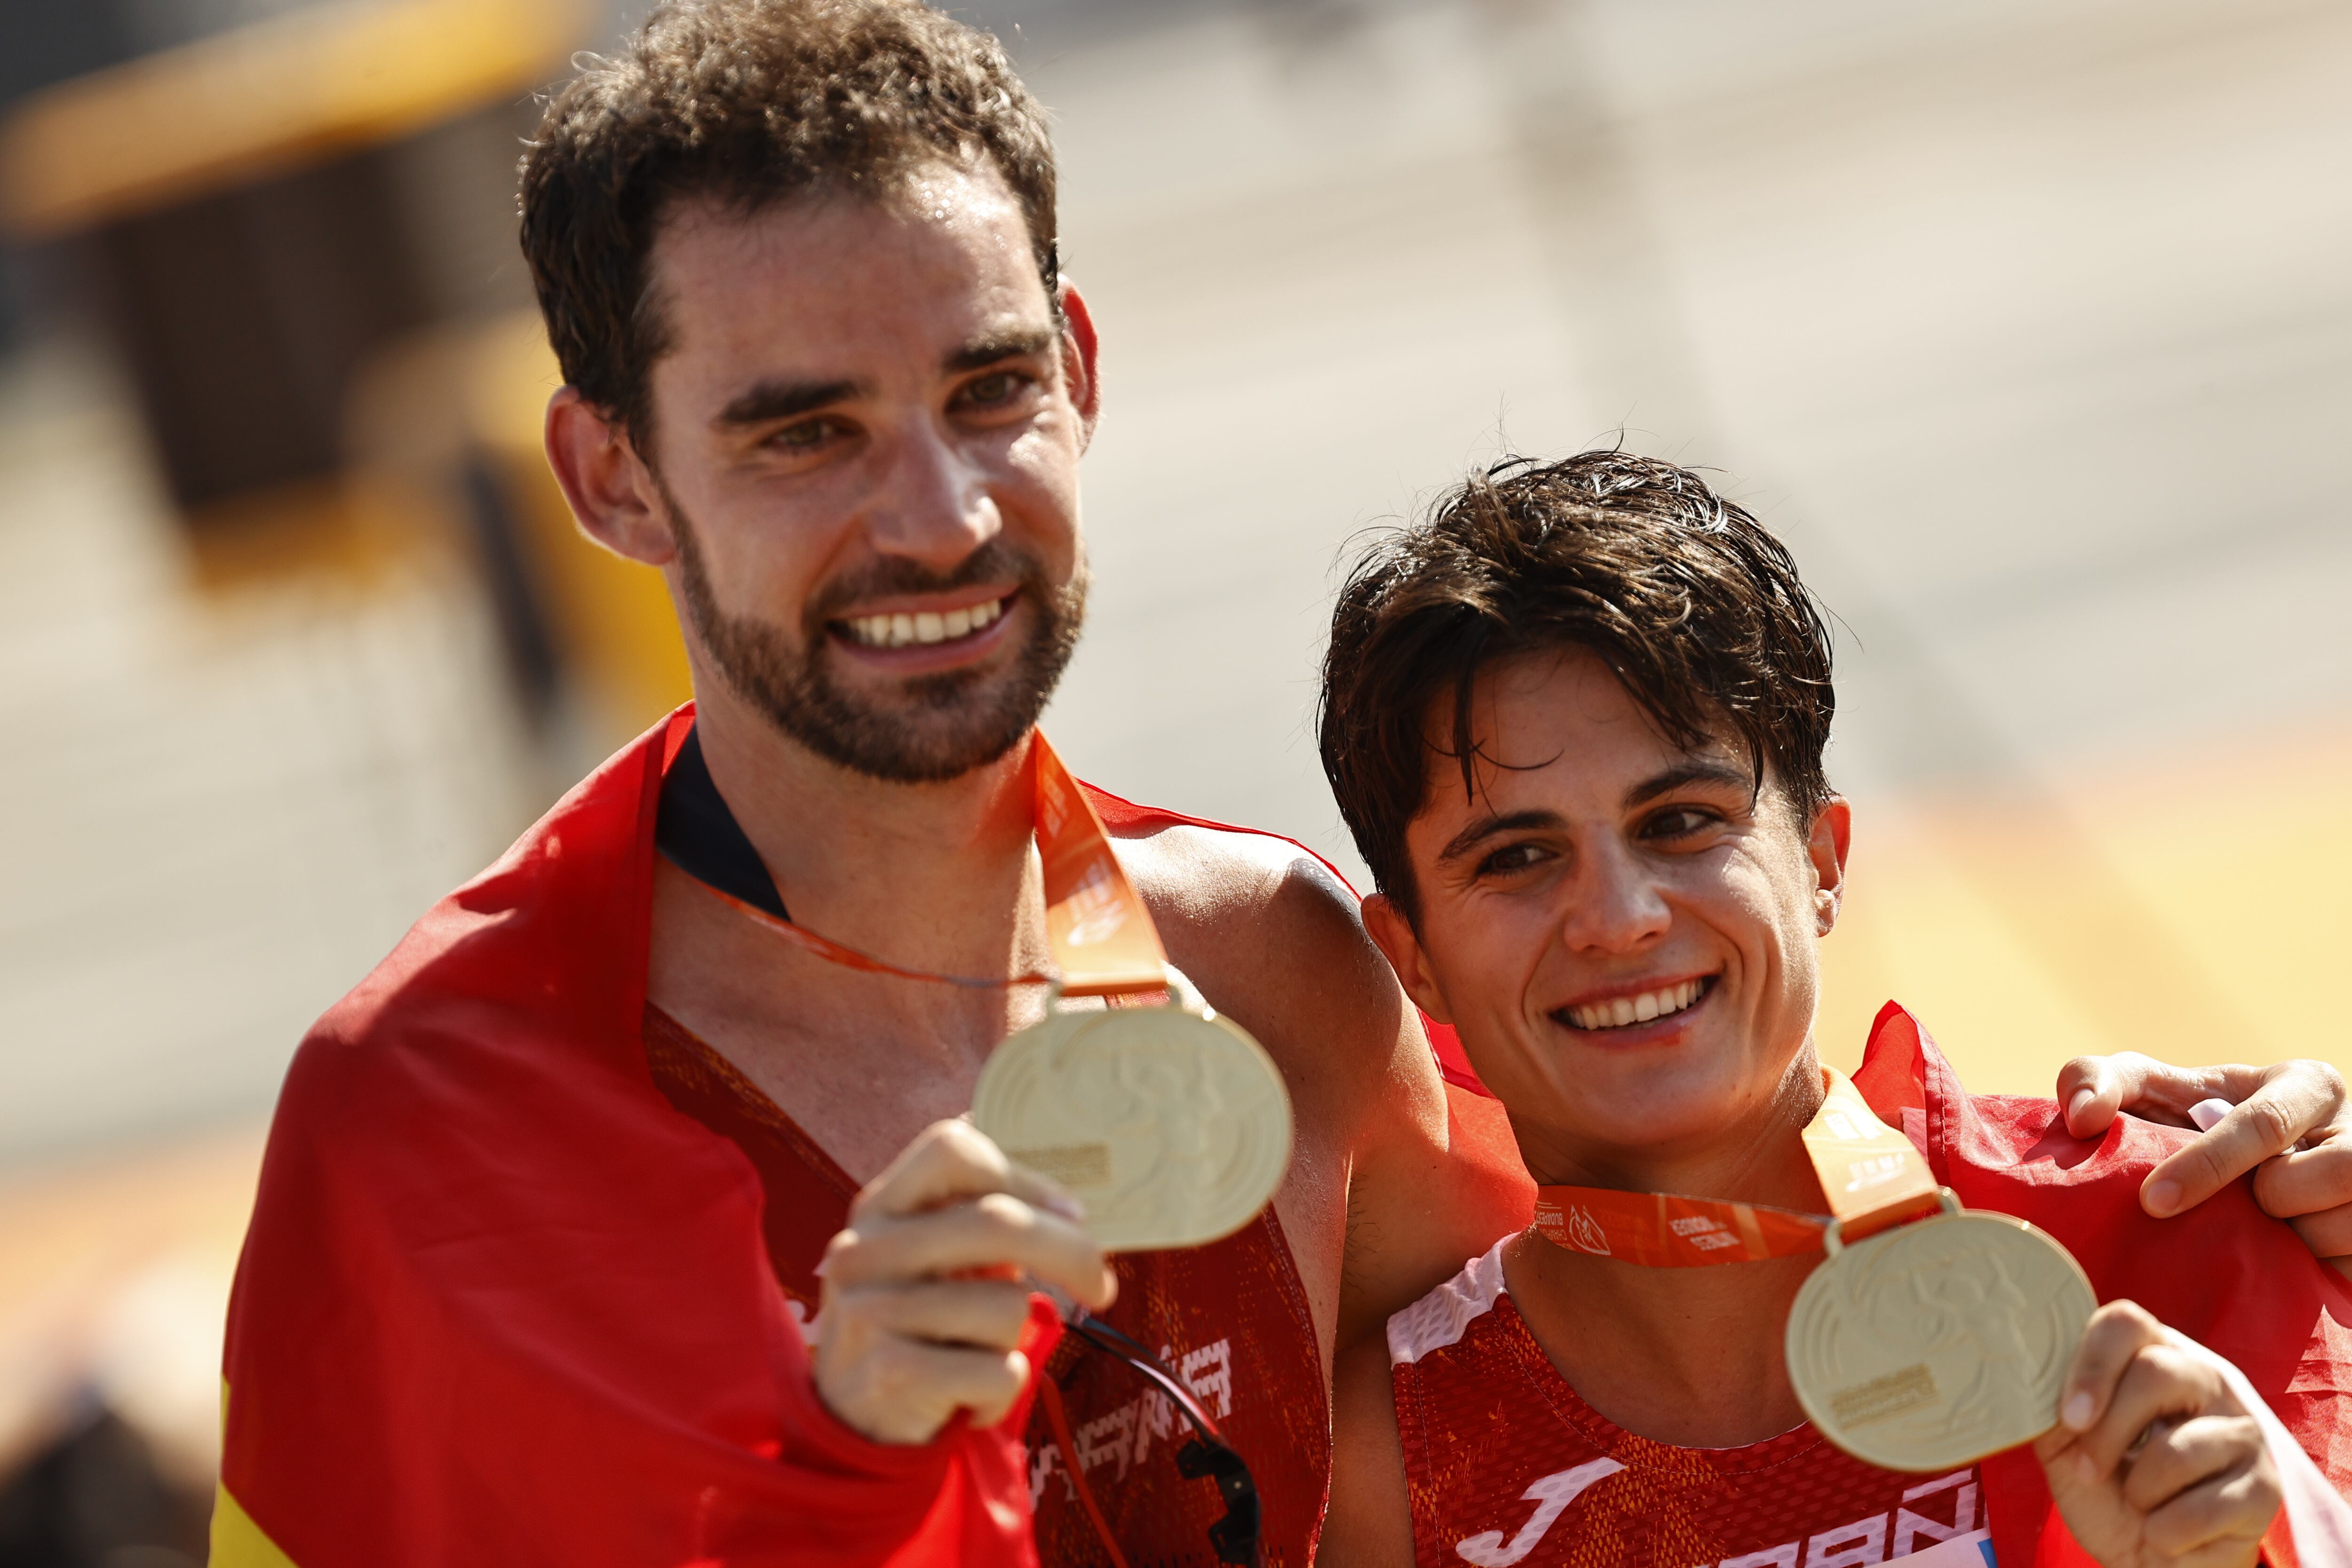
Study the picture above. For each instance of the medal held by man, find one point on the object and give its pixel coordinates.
(1929, 1338)
(1168, 1122)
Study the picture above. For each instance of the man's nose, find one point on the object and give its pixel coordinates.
(1615, 904)
(933, 505)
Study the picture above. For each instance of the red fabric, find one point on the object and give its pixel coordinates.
(2225, 1274)
(500, 1303)
(1498, 1445)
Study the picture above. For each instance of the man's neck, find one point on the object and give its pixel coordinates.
(1687, 1356)
(936, 876)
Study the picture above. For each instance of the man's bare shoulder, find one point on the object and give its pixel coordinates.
(1195, 875)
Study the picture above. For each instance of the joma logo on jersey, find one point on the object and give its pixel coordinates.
(1898, 1535)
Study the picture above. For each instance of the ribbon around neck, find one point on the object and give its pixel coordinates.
(1101, 936)
(1871, 1175)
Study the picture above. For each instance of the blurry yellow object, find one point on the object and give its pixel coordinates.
(264, 99)
(614, 622)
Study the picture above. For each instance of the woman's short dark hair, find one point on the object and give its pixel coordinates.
(750, 102)
(1697, 610)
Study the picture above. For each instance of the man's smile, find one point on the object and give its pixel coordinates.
(1641, 1001)
(922, 623)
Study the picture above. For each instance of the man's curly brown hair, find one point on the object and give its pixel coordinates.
(1697, 610)
(747, 103)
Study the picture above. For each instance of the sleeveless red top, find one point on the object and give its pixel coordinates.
(1506, 1466)
(1231, 1319)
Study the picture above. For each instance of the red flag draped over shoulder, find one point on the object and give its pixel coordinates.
(500, 1303)
(2224, 1273)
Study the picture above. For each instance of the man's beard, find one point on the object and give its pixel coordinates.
(946, 724)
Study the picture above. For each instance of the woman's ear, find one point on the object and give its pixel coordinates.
(1395, 936)
(611, 491)
(1826, 845)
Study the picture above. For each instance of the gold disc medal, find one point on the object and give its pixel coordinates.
(1170, 1123)
(1929, 1346)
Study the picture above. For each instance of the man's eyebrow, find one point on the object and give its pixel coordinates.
(1011, 342)
(1698, 771)
(773, 400)
(1488, 827)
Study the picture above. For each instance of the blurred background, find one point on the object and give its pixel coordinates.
(2029, 326)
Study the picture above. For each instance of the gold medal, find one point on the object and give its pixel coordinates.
(1171, 1124)
(1929, 1346)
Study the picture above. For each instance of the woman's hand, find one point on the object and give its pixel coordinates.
(2153, 1460)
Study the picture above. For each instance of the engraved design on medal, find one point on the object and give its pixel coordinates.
(1173, 1127)
(1934, 1344)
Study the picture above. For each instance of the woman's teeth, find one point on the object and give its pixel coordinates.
(898, 631)
(1618, 1012)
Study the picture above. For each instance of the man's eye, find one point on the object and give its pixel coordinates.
(996, 387)
(805, 436)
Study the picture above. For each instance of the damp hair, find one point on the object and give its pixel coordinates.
(746, 104)
(1696, 608)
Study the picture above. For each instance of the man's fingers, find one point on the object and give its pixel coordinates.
(904, 1391)
(2091, 1090)
(2306, 1181)
(986, 1314)
(2329, 1233)
(2267, 1124)
(950, 1160)
(995, 1231)
(2115, 1333)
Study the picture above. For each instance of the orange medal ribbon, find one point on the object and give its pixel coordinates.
(1102, 938)
(1871, 1175)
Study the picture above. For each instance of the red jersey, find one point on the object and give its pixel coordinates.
(1230, 1319)
(1505, 1465)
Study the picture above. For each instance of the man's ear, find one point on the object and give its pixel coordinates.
(1080, 361)
(1827, 844)
(1393, 935)
(611, 490)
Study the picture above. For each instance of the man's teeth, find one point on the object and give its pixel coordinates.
(1618, 1012)
(898, 631)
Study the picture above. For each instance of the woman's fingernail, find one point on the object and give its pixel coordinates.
(2085, 1469)
(2078, 1412)
(2080, 1103)
(2162, 1197)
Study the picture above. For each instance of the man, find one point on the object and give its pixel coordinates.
(547, 1193)
(1576, 722)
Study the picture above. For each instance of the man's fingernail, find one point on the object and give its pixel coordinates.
(1068, 1209)
(2085, 1469)
(2162, 1197)
(2078, 1412)
(2080, 1103)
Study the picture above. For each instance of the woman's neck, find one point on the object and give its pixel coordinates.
(1687, 1356)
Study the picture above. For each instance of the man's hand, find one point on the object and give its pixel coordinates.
(2288, 1124)
(926, 1291)
(2153, 1460)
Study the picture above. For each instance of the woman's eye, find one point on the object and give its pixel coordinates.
(1510, 858)
(1679, 823)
